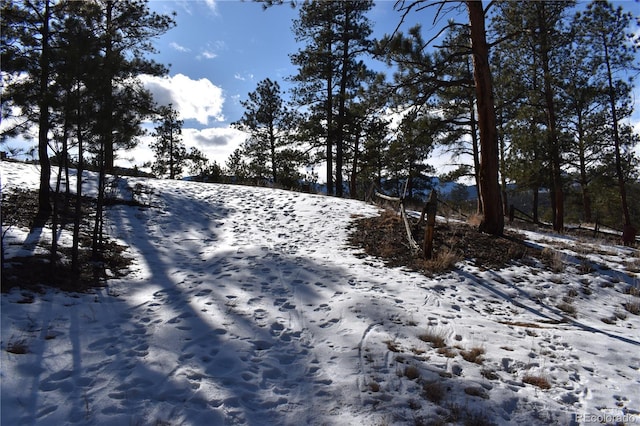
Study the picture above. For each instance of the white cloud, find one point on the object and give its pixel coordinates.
(215, 143)
(199, 100)
(178, 47)
(245, 77)
(207, 55)
(211, 49)
(211, 4)
(214, 136)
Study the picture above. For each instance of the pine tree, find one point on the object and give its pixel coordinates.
(607, 31)
(27, 40)
(541, 43)
(423, 73)
(330, 72)
(168, 147)
(269, 124)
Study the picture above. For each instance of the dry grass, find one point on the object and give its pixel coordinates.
(553, 259)
(18, 347)
(476, 391)
(473, 355)
(434, 391)
(474, 220)
(632, 306)
(539, 381)
(633, 290)
(447, 352)
(392, 346)
(437, 339)
(374, 386)
(411, 372)
(633, 265)
(567, 308)
(444, 260)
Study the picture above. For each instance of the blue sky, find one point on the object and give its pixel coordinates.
(219, 51)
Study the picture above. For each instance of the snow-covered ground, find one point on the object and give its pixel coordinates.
(246, 306)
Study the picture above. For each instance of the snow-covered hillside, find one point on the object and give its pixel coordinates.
(246, 306)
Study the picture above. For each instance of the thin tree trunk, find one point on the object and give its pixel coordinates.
(476, 153)
(75, 264)
(353, 183)
(342, 104)
(552, 132)
(584, 180)
(108, 154)
(616, 138)
(534, 207)
(97, 226)
(329, 139)
(272, 146)
(44, 204)
(172, 173)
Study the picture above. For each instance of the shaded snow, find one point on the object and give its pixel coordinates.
(245, 306)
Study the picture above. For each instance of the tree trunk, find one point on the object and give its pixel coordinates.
(44, 204)
(616, 138)
(172, 174)
(353, 182)
(476, 153)
(330, 132)
(342, 104)
(534, 207)
(108, 157)
(582, 165)
(272, 147)
(75, 263)
(493, 219)
(552, 132)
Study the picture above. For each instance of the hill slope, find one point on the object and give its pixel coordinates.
(246, 306)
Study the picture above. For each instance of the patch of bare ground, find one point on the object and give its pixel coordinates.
(385, 237)
(36, 272)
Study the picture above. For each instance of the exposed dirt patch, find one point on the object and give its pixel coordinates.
(385, 236)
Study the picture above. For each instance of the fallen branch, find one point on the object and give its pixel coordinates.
(403, 213)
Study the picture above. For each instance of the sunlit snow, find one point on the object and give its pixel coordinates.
(246, 306)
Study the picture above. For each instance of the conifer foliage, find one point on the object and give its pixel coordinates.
(270, 147)
(70, 68)
(168, 146)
